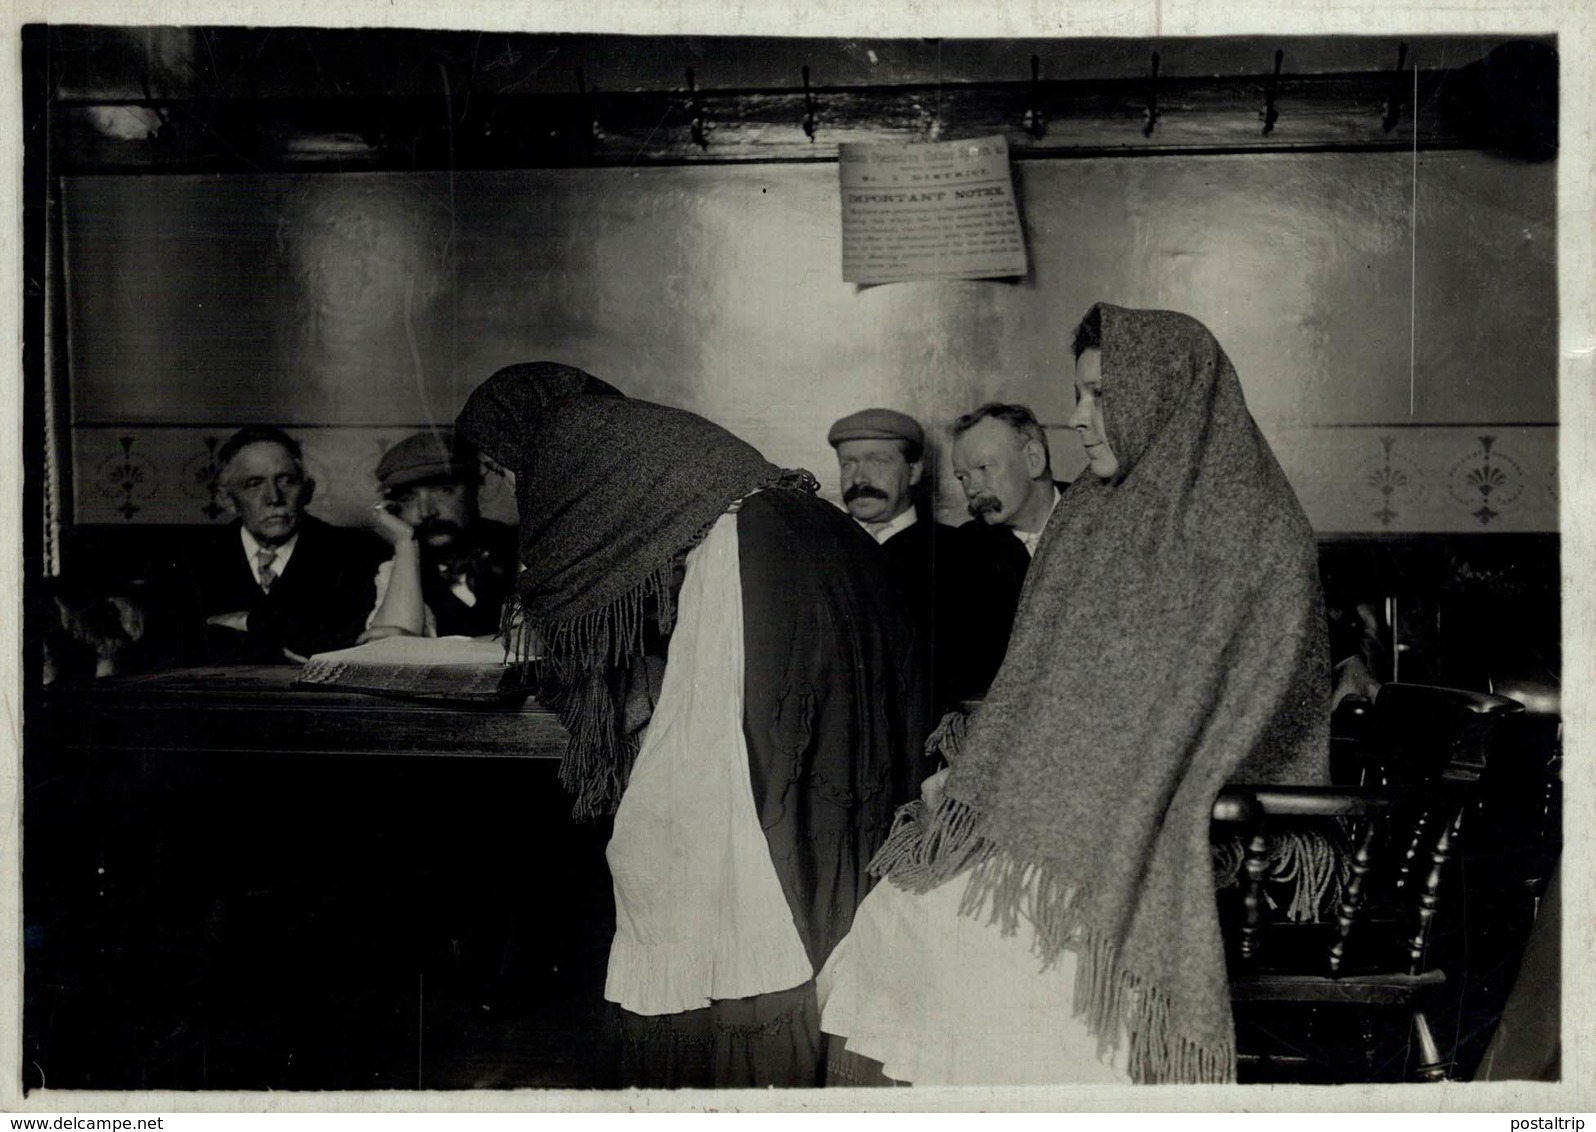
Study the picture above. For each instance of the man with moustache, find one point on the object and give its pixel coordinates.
(1002, 462)
(881, 462)
(278, 584)
(451, 569)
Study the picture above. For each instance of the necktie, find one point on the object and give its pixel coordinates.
(264, 557)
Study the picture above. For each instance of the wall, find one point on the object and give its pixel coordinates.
(358, 307)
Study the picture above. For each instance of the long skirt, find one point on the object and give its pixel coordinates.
(743, 1043)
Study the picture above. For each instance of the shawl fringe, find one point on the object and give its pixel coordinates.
(1316, 864)
(576, 655)
(609, 636)
(929, 847)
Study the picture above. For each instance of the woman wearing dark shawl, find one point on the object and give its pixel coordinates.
(737, 675)
(1051, 914)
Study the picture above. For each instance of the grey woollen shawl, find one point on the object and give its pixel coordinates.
(1170, 639)
(611, 492)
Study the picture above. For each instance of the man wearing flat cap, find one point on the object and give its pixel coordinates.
(452, 569)
(881, 460)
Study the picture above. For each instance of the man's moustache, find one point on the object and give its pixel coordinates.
(863, 491)
(430, 527)
(984, 505)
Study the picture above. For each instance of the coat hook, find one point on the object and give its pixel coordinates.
(595, 133)
(1270, 114)
(696, 113)
(1150, 115)
(1393, 105)
(809, 107)
(1034, 121)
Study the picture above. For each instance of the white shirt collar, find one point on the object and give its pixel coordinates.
(1031, 538)
(279, 564)
(882, 533)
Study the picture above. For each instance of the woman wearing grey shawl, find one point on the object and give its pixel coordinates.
(1051, 915)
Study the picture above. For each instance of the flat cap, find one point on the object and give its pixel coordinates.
(426, 456)
(876, 424)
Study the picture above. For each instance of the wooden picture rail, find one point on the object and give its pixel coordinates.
(1145, 115)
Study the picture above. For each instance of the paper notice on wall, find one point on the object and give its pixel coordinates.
(943, 210)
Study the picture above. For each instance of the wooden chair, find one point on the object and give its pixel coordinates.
(1415, 757)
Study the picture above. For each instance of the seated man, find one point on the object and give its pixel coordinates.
(451, 569)
(880, 456)
(277, 584)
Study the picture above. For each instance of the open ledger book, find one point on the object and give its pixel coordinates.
(446, 668)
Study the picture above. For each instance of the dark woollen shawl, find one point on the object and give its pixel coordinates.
(611, 492)
(1170, 639)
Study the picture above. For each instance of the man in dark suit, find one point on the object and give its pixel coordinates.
(881, 459)
(278, 584)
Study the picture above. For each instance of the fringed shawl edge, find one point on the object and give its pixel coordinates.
(930, 847)
(575, 654)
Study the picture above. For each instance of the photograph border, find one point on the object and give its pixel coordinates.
(1571, 20)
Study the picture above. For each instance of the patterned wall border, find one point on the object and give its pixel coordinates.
(167, 474)
(1363, 479)
(1448, 479)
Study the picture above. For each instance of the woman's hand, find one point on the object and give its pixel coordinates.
(379, 632)
(931, 788)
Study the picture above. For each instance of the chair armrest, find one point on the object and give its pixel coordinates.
(1236, 805)
(1242, 804)
(1412, 696)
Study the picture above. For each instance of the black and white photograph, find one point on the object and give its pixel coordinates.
(578, 561)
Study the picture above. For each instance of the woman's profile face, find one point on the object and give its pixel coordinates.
(1087, 420)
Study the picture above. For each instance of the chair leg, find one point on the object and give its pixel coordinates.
(1255, 861)
(1432, 1067)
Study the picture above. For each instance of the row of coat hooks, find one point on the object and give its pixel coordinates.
(1034, 120)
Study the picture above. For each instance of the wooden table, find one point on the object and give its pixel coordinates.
(258, 711)
(225, 889)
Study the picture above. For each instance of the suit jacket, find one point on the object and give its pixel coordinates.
(961, 590)
(992, 568)
(319, 602)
